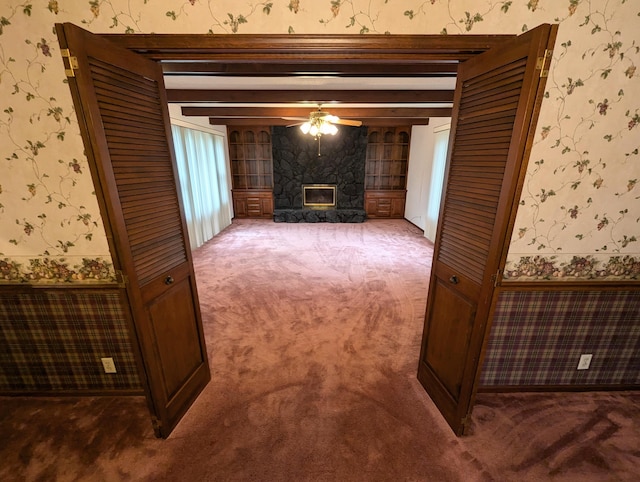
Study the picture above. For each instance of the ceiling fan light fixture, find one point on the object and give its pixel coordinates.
(328, 128)
(305, 128)
(322, 123)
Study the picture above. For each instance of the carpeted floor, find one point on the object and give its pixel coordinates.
(313, 332)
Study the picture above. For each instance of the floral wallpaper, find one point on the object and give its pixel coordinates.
(579, 215)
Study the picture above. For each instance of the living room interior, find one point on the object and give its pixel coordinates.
(614, 363)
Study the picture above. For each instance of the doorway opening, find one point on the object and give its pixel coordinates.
(499, 88)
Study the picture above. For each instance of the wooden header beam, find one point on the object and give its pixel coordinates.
(303, 112)
(312, 96)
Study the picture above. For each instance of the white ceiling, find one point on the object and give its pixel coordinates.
(303, 83)
(205, 82)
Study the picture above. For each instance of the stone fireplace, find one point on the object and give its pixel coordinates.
(341, 166)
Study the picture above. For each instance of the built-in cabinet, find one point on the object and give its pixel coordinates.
(386, 171)
(252, 203)
(385, 204)
(251, 171)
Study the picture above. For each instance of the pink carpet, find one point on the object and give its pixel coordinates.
(313, 332)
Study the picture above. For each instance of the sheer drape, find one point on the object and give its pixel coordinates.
(441, 143)
(202, 169)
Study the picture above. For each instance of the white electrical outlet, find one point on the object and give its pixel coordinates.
(585, 361)
(109, 366)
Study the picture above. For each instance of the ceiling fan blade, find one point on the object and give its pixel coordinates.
(347, 122)
(302, 119)
(296, 124)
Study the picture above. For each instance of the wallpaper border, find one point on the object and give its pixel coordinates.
(50, 270)
(579, 267)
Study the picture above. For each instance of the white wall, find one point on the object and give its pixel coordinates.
(419, 173)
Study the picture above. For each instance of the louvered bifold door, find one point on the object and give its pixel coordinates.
(496, 103)
(122, 110)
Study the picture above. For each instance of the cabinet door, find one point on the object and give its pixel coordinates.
(267, 207)
(397, 207)
(239, 207)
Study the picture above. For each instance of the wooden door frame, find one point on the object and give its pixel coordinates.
(339, 55)
(291, 55)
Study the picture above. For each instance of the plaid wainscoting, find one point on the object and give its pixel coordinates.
(53, 339)
(538, 336)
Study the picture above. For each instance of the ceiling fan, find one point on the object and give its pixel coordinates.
(319, 118)
(321, 123)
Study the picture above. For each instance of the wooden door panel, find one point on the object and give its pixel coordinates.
(122, 109)
(176, 335)
(497, 99)
(449, 336)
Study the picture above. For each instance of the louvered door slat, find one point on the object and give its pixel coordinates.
(498, 99)
(499, 128)
(153, 231)
(465, 224)
(118, 114)
(116, 77)
(156, 189)
(169, 252)
(124, 149)
(117, 122)
(487, 175)
(119, 138)
(471, 209)
(489, 80)
(498, 109)
(113, 102)
(495, 119)
(139, 170)
(145, 209)
(117, 92)
(136, 163)
(469, 182)
(108, 90)
(499, 135)
(497, 85)
(126, 132)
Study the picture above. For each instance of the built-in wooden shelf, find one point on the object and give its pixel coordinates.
(251, 171)
(386, 171)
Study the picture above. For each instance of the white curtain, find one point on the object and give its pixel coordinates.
(202, 168)
(441, 143)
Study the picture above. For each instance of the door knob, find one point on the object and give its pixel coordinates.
(168, 280)
(454, 279)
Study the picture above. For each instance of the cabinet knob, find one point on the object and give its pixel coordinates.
(168, 280)
(454, 279)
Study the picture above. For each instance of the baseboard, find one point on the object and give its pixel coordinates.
(72, 393)
(557, 388)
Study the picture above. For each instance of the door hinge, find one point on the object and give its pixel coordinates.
(72, 61)
(542, 63)
(122, 278)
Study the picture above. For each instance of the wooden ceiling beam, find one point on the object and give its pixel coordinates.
(278, 121)
(303, 112)
(311, 96)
